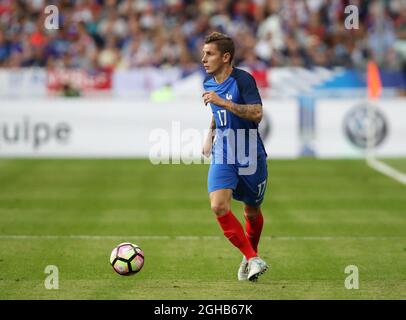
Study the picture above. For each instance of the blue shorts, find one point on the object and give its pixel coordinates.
(249, 189)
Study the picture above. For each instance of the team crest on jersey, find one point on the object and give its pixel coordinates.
(229, 96)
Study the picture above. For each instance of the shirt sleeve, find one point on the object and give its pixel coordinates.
(248, 89)
(207, 78)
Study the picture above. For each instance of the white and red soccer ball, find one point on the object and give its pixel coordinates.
(127, 259)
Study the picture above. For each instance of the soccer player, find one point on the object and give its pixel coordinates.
(237, 110)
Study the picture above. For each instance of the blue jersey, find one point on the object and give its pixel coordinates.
(235, 137)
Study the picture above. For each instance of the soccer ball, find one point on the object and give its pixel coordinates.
(127, 259)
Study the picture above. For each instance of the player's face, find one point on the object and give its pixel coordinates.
(212, 59)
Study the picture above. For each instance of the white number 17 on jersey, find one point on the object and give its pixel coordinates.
(223, 121)
(261, 189)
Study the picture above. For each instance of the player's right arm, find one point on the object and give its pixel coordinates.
(209, 139)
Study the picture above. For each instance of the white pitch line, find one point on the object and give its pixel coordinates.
(186, 238)
(387, 170)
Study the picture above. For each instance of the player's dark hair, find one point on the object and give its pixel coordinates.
(224, 43)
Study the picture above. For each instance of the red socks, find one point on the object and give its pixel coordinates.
(254, 228)
(234, 232)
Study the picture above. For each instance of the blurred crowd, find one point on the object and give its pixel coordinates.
(135, 33)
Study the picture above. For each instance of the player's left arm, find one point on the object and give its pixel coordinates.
(251, 109)
(252, 112)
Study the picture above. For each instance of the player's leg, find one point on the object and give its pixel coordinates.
(254, 222)
(220, 201)
(253, 226)
(251, 190)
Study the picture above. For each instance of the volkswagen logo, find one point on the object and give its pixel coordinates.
(356, 126)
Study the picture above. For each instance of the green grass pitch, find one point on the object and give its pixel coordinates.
(320, 216)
